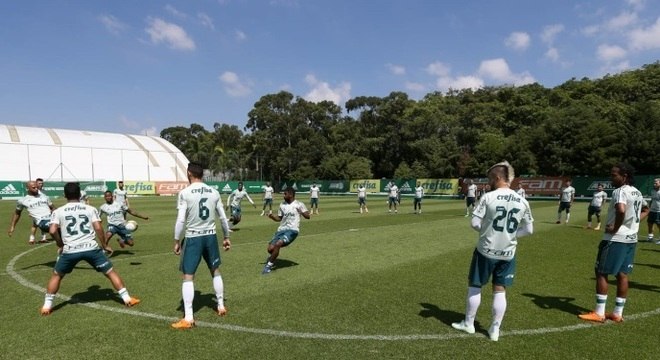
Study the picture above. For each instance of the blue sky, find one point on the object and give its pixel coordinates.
(141, 66)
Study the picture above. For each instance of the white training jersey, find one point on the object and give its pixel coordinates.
(290, 214)
(202, 205)
(567, 194)
(394, 190)
(76, 220)
(634, 201)
(37, 206)
(114, 212)
(599, 198)
(419, 192)
(120, 195)
(655, 201)
(472, 191)
(237, 196)
(362, 192)
(521, 192)
(268, 192)
(501, 211)
(314, 192)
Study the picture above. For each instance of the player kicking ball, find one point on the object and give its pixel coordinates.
(289, 217)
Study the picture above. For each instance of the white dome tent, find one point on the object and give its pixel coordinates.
(27, 153)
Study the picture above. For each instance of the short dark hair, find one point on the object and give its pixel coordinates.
(40, 179)
(628, 171)
(72, 191)
(107, 192)
(196, 170)
(290, 190)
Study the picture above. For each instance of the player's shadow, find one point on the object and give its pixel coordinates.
(201, 301)
(561, 303)
(93, 294)
(51, 264)
(636, 285)
(652, 266)
(283, 263)
(447, 317)
(117, 253)
(654, 250)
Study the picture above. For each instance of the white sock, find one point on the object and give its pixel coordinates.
(499, 308)
(473, 302)
(219, 288)
(48, 301)
(568, 216)
(124, 295)
(601, 301)
(188, 294)
(618, 305)
(31, 237)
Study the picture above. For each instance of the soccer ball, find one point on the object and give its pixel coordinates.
(131, 225)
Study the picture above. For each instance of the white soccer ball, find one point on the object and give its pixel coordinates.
(131, 225)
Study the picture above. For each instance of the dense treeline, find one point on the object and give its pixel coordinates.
(579, 127)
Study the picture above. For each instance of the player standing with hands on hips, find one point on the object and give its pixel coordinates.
(197, 209)
(501, 217)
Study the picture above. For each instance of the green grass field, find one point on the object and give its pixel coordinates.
(352, 286)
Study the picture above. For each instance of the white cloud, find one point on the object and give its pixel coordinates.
(396, 69)
(552, 54)
(150, 131)
(621, 21)
(498, 70)
(171, 34)
(518, 41)
(415, 87)
(174, 12)
(590, 30)
(645, 39)
(615, 68)
(550, 32)
(322, 91)
(636, 4)
(610, 52)
(239, 35)
(206, 20)
(438, 69)
(112, 24)
(460, 82)
(128, 123)
(233, 85)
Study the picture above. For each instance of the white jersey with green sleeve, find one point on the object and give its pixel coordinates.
(237, 196)
(394, 190)
(75, 221)
(290, 215)
(314, 192)
(268, 192)
(634, 201)
(419, 192)
(567, 194)
(202, 205)
(114, 212)
(37, 206)
(472, 191)
(598, 199)
(120, 195)
(362, 192)
(501, 211)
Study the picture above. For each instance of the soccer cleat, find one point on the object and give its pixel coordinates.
(31, 242)
(558, 222)
(222, 311)
(46, 311)
(657, 242)
(592, 316)
(462, 326)
(262, 213)
(121, 243)
(132, 302)
(466, 215)
(267, 269)
(183, 324)
(597, 228)
(614, 317)
(494, 333)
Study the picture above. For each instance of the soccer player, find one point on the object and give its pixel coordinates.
(470, 197)
(116, 216)
(362, 198)
(289, 217)
(419, 195)
(234, 203)
(120, 195)
(33, 230)
(565, 201)
(268, 199)
(597, 202)
(654, 215)
(616, 251)
(521, 191)
(392, 199)
(81, 234)
(501, 217)
(314, 192)
(39, 207)
(198, 207)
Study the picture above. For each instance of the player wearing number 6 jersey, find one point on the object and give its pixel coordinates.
(501, 217)
(616, 252)
(198, 207)
(80, 228)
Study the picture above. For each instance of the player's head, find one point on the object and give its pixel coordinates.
(289, 195)
(656, 183)
(568, 182)
(622, 174)
(520, 185)
(240, 185)
(108, 197)
(419, 184)
(32, 188)
(40, 183)
(120, 184)
(195, 171)
(267, 183)
(500, 172)
(72, 191)
(600, 187)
